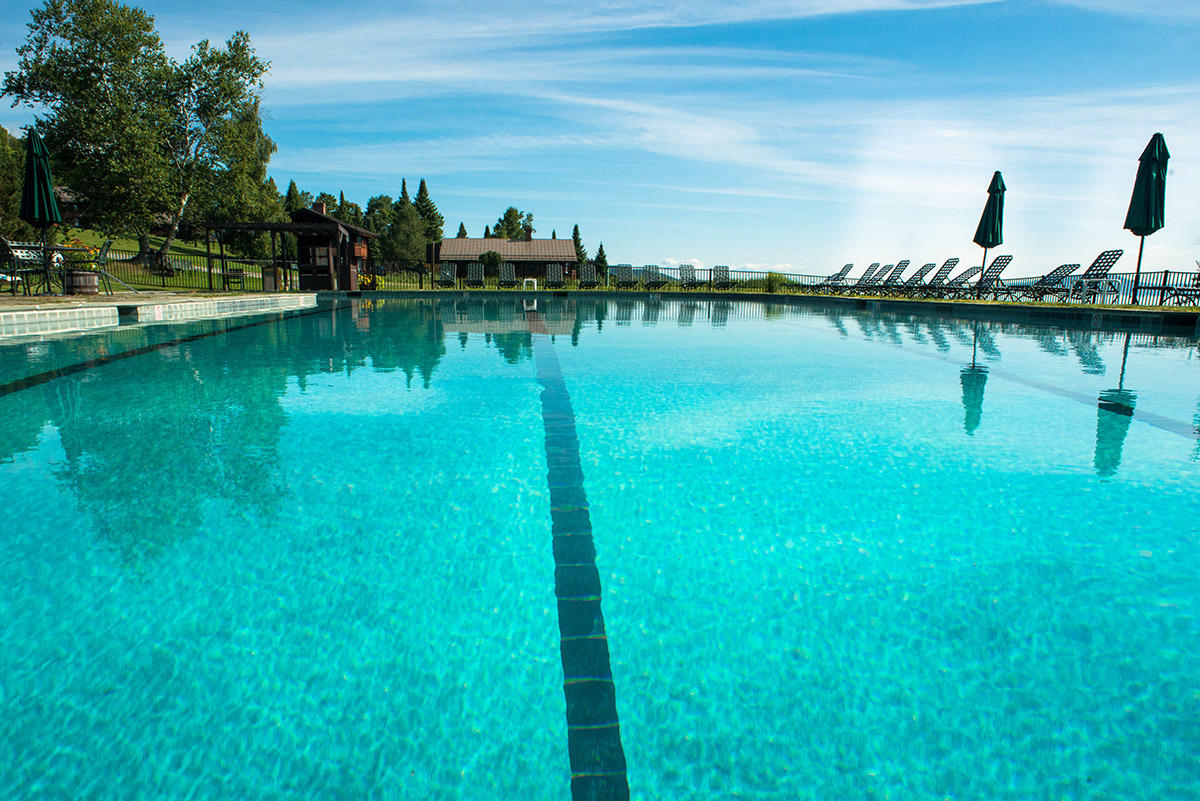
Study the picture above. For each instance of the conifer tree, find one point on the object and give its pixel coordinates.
(462, 231)
(553, 234)
(404, 191)
(429, 213)
(295, 200)
(487, 232)
(601, 258)
(580, 253)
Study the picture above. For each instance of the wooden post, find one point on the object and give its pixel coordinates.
(208, 256)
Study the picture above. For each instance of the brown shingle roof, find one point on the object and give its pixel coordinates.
(514, 250)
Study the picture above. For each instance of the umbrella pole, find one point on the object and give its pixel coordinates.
(982, 270)
(1138, 272)
(45, 260)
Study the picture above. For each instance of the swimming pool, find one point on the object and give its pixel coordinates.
(348, 553)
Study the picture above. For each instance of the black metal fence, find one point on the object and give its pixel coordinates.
(199, 272)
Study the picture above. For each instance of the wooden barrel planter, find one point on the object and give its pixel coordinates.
(82, 282)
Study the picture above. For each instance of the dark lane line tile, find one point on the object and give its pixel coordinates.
(593, 731)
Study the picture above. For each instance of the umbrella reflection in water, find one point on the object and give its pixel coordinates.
(1113, 416)
(974, 379)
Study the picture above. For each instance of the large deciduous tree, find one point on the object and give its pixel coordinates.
(134, 132)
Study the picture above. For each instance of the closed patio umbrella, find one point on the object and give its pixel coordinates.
(1146, 206)
(37, 193)
(989, 234)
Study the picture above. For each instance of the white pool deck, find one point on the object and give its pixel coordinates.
(53, 315)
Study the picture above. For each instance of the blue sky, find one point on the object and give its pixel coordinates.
(799, 134)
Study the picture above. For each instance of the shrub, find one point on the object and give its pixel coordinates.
(775, 281)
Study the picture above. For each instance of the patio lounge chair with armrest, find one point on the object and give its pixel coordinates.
(653, 277)
(984, 285)
(475, 275)
(829, 284)
(1187, 294)
(447, 275)
(587, 276)
(910, 285)
(1095, 281)
(508, 276)
(891, 281)
(936, 283)
(554, 277)
(862, 279)
(866, 285)
(687, 276)
(625, 279)
(955, 286)
(1051, 283)
(720, 277)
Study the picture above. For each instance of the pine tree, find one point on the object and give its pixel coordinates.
(295, 200)
(487, 232)
(580, 253)
(601, 258)
(429, 213)
(462, 231)
(553, 234)
(404, 191)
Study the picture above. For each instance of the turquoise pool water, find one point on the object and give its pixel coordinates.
(841, 555)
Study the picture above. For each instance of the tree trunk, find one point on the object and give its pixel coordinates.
(174, 229)
(143, 246)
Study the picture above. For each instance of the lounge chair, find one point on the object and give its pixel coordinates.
(653, 277)
(625, 279)
(1095, 281)
(687, 277)
(909, 287)
(475, 275)
(587, 276)
(554, 277)
(867, 284)
(891, 281)
(955, 286)
(1185, 295)
(984, 285)
(508, 276)
(830, 284)
(720, 277)
(1052, 283)
(862, 279)
(447, 274)
(937, 283)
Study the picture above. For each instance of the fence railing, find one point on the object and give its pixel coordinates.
(198, 272)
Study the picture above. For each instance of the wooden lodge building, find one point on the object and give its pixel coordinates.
(529, 256)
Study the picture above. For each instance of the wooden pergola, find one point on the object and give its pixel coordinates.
(329, 252)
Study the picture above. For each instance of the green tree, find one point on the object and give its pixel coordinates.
(329, 201)
(348, 212)
(553, 234)
(404, 242)
(132, 130)
(429, 214)
(580, 252)
(601, 258)
(462, 231)
(514, 224)
(12, 175)
(295, 200)
(404, 191)
(487, 232)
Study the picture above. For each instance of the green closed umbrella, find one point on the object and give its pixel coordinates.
(989, 234)
(37, 193)
(1146, 207)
